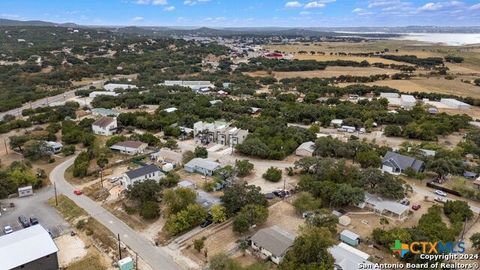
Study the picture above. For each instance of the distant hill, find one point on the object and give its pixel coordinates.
(7, 22)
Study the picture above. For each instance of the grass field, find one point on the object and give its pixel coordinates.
(90, 262)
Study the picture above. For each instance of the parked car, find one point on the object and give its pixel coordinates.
(416, 207)
(440, 193)
(207, 222)
(281, 193)
(24, 221)
(7, 229)
(77, 192)
(33, 221)
(441, 199)
(114, 179)
(405, 202)
(269, 196)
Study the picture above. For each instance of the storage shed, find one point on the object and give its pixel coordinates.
(350, 238)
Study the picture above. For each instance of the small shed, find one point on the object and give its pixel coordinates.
(25, 191)
(126, 264)
(350, 238)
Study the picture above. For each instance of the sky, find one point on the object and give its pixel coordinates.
(247, 13)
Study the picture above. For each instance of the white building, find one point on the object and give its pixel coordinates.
(455, 104)
(105, 126)
(336, 123)
(349, 258)
(170, 110)
(306, 149)
(389, 95)
(202, 166)
(141, 174)
(220, 132)
(112, 86)
(95, 94)
(130, 147)
(408, 101)
(194, 85)
(272, 243)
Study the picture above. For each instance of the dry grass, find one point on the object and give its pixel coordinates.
(67, 208)
(90, 262)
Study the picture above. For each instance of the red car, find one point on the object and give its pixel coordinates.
(416, 207)
(77, 192)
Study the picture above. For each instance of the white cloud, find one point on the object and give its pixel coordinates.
(434, 6)
(152, 2)
(137, 19)
(194, 2)
(293, 4)
(315, 4)
(475, 7)
(160, 2)
(169, 8)
(357, 10)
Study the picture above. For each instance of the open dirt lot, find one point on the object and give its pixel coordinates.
(327, 73)
(71, 248)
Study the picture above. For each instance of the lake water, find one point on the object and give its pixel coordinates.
(446, 39)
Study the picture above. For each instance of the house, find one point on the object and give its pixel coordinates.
(219, 132)
(455, 104)
(141, 174)
(105, 126)
(113, 86)
(389, 95)
(470, 175)
(206, 200)
(53, 147)
(272, 243)
(385, 207)
(350, 238)
(129, 147)
(428, 153)
(194, 85)
(104, 112)
(170, 110)
(350, 258)
(336, 123)
(306, 149)
(167, 155)
(31, 248)
(25, 191)
(396, 163)
(202, 166)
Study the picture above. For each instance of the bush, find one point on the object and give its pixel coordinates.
(392, 131)
(244, 167)
(150, 210)
(273, 174)
(68, 150)
(198, 244)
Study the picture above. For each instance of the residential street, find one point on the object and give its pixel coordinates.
(156, 257)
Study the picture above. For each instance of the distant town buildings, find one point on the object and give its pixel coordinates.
(95, 94)
(198, 86)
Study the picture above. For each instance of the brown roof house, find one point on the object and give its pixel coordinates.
(129, 147)
(105, 126)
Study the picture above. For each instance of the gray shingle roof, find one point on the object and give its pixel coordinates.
(142, 171)
(402, 162)
(308, 146)
(274, 239)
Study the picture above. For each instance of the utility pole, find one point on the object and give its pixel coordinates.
(55, 190)
(119, 247)
(6, 147)
(136, 261)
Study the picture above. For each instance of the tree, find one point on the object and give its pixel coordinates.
(144, 191)
(80, 165)
(200, 152)
(457, 211)
(18, 142)
(324, 218)
(243, 167)
(345, 195)
(187, 156)
(240, 194)
(150, 210)
(178, 199)
(222, 262)
(310, 250)
(102, 162)
(384, 221)
(170, 180)
(250, 214)
(368, 159)
(35, 150)
(218, 213)
(475, 238)
(193, 215)
(273, 174)
(198, 244)
(306, 202)
(392, 131)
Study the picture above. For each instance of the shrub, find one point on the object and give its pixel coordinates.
(273, 174)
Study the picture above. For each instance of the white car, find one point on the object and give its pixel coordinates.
(440, 193)
(7, 229)
(441, 199)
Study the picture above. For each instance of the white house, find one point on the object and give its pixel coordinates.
(350, 258)
(202, 166)
(112, 86)
(141, 174)
(95, 94)
(306, 149)
(408, 101)
(194, 85)
(129, 147)
(105, 126)
(455, 104)
(272, 243)
(336, 122)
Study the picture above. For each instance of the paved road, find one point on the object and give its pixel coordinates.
(154, 256)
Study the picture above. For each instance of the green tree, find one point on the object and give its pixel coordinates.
(273, 174)
(457, 211)
(345, 195)
(198, 244)
(475, 238)
(238, 195)
(200, 152)
(35, 150)
(222, 262)
(305, 201)
(150, 210)
(17, 142)
(368, 159)
(243, 167)
(218, 213)
(249, 215)
(310, 250)
(144, 191)
(392, 131)
(81, 164)
(324, 218)
(193, 215)
(178, 199)
(187, 156)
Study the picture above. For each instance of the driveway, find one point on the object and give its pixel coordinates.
(37, 206)
(156, 257)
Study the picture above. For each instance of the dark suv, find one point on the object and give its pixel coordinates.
(33, 221)
(24, 221)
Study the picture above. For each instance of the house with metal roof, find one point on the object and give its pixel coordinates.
(202, 166)
(306, 149)
(350, 238)
(396, 163)
(349, 258)
(105, 126)
(384, 206)
(272, 243)
(31, 248)
(122, 86)
(141, 174)
(129, 147)
(104, 112)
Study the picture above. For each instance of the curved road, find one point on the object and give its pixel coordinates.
(154, 256)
